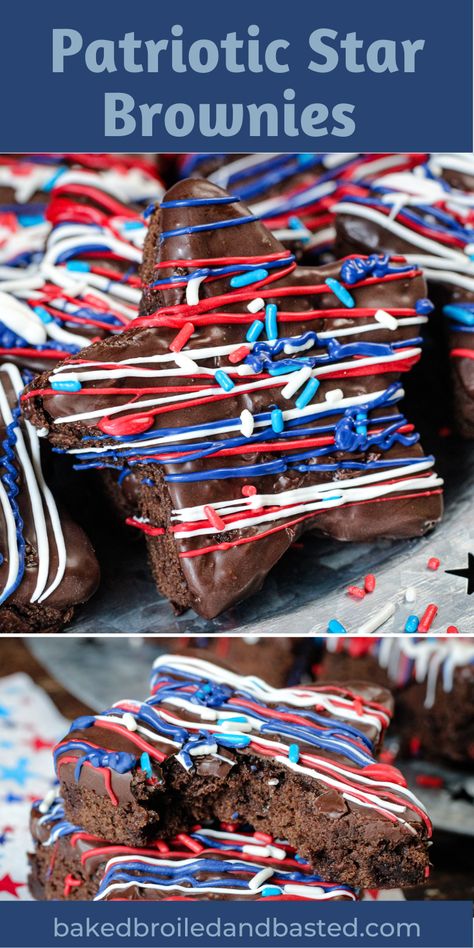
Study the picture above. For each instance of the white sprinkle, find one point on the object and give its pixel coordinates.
(469, 249)
(247, 423)
(237, 726)
(273, 782)
(192, 290)
(272, 852)
(255, 305)
(184, 362)
(42, 432)
(373, 624)
(203, 750)
(129, 721)
(311, 892)
(386, 319)
(48, 800)
(410, 594)
(296, 381)
(334, 395)
(260, 878)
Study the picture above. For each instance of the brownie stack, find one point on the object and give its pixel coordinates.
(222, 786)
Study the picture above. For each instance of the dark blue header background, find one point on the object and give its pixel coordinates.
(428, 110)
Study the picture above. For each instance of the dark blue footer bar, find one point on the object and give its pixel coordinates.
(215, 924)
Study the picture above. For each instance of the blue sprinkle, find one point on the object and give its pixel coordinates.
(233, 740)
(282, 369)
(277, 420)
(424, 307)
(460, 313)
(67, 386)
(52, 181)
(340, 291)
(145, 764)
(238, 717)
(245, 279)
(1, 559)
(80, 266)
(293, 753)
(295, 223)
(305, 159)
(309, 390)
(224, 380)
(235, 815)
(269, 890)
(271, 326)
(254, 330)
(132, 225)
(30, 220)
(411, 624)
(43, 314)
(361, 423)
(336, 627)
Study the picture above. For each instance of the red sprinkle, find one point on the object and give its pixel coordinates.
(415, 746)
(239, 354)
(248, 490)
(263, 837)
(452, 630)
(427, 780)
(190, 843)
(428, 618)
(214, 518)
(433, 563)
(427, 872)
(181, 339)
(369, 583)
(356, 592)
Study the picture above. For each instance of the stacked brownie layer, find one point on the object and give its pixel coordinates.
(298, 764)
(210, 862)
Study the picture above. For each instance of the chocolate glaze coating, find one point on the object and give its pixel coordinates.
(81, 573)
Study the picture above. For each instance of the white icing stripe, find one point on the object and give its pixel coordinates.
(425, 243)
(197, 513)
(351, 495)
(288, 414)
(338, 368)
(13, 559)
(39, 495)
(299, 697)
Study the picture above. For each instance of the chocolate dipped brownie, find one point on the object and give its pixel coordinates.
(208, 862)
(429, 222)
(297, 763)
(241, 443)
(433, 684)
(47, 565)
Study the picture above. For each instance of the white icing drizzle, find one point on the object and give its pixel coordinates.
(27, 451)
